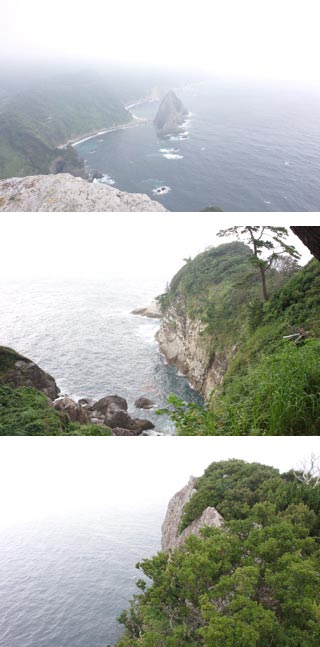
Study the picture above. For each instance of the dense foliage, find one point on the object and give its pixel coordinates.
(39, 119)
(252, 583)
(272, 384)
(25, 412)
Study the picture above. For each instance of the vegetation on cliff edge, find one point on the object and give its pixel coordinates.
(272, 384)
(252, 583)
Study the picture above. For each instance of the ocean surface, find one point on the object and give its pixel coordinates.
(82, 333)
(246, 147)
(64, 581)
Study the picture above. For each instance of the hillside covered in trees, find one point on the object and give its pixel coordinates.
(46, 115)
(254, 582)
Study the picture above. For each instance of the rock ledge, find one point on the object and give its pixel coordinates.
(64, 192)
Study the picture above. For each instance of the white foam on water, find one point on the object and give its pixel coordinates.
(169, 150)
(106, 179)
(179, 138)
(172, 156)
(161, 190)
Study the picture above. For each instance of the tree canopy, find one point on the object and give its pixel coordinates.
(254, 582)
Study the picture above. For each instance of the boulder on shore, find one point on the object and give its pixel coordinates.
(74, 410)
(144, 403)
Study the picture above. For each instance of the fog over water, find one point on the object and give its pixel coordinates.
(80, 512)
(266, 39)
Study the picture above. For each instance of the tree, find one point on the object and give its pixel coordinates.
(263, 240)
(309, 472)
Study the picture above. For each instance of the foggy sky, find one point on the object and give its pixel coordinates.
(267, 39)
(56, 476)
(98, 246)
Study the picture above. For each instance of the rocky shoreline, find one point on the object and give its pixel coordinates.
(109, 412)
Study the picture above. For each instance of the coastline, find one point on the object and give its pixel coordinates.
(135, 121)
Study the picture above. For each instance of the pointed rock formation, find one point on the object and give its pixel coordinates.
(171, 536)
(170, 116)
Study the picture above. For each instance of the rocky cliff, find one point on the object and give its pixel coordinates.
(64, 192)
(203, 314)
(184, 343)
(171, 115)
(171, 536)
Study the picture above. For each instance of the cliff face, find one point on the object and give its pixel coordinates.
(171, 538)
(64, 192)
(171, 115)
(182, 341)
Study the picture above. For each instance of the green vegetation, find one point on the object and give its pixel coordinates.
(262, 240)
(272, 383)
(252, 583)
(25, 412)
(35, 122)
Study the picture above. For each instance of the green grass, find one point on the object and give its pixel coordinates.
(25, 412)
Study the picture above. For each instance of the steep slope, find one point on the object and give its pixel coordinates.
(261, 359)
(172, 535)
(251, 583)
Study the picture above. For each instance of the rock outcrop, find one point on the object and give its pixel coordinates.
(17, 370)
(144, 403)
(171, 536)
(184, 344)
(74, 410)
(64, 192)
(153, 311)
(112, 411)
(170, 116)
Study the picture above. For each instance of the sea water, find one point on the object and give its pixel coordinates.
(84, 335)
(244, 147)
(64, 580)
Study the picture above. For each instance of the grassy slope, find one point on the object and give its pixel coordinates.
(25, 412)
(38, 120)
(272, 385)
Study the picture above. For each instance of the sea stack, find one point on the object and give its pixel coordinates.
(170, 116)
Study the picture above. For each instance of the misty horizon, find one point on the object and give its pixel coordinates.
(237, 39)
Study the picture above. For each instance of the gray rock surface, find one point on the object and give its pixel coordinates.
(171, 538)
(153, 311)
(183, 342)
(171, 115)
(64, 192)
